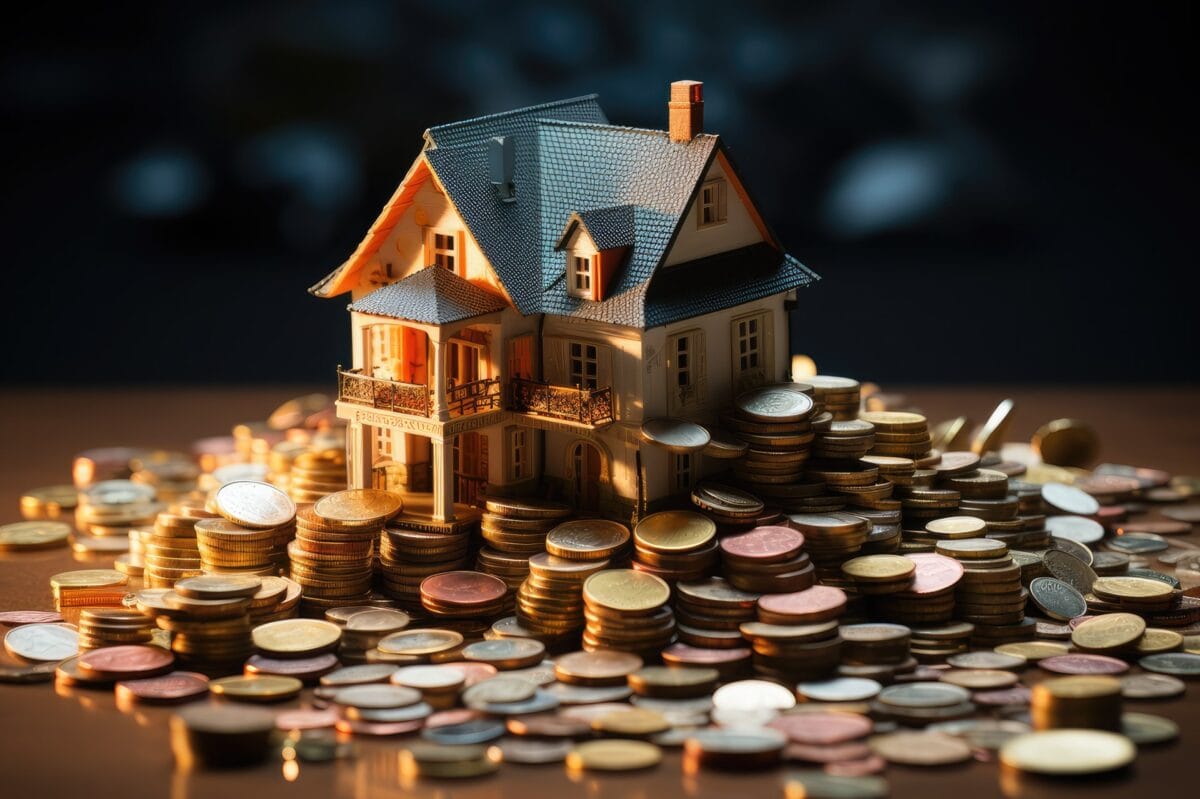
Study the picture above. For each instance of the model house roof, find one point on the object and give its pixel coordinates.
(432, 295)
(629, 187)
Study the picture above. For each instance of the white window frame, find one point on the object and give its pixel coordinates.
(581, 275)
(711, 204)
(577, 364)
(748, 343)
(443, 250)
(519, 466)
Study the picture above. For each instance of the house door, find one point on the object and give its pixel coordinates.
(470, 468)
(585, 465)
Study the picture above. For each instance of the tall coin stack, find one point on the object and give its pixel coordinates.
(406, 557)
(930, 598)
(513, 530)
(675, 545)
(550, 599)
(936, 642)
(627, 610)
(794, 652)
(317, 474)
(899, 434)
(229, 548)
(732, 509)
(100, 627)
(171, 552)
(775, 422)
(209, 634)
(830, 539)
(840, 396)
(112, 507)
(990, 596)
(333, 555)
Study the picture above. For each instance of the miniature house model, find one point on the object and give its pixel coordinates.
(540, 284)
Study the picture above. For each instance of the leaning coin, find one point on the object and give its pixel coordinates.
(1070, 570)
(254, 504)
(1057, 599)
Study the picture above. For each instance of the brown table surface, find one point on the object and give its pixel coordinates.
(61, 742)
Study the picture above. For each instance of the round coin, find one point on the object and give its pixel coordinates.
(840, 689)
(420, 642)
(42, 641)
(1068, 499)
(1109, 632)
(1057, 599)
(1179, 664)
(675, 435)
(296, 637)
(1075, 528)
(125, 662)
(254, 504)
(626, 590)
(23, 536)
(674, 531)
(586, 539)
(256, 689)
(753, 695)
(921, 748)
(613, 755)
(775, 403)
(1151, 686)
(1070, 751)
(178, 686)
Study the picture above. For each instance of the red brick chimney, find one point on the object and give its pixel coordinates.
(686, 109)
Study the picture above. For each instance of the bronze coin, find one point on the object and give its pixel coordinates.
(1083, 664)
(464, 588)
(178, 686)
(549, 725)
(819, 603)
(15, 618)
(823, 728)
(305, 669)
(127, 661)
(767, 544)
(601, 667)
(934, 574)
(687, 655)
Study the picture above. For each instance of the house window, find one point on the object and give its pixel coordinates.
(748, 338)
(683, 362)
(681, 471)
(445, 253)
(581, 276)
(583, 364)
(711, 205)
(383, 444)
(519, 466)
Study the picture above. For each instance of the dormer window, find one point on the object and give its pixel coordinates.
(710, 207)
(580, 276)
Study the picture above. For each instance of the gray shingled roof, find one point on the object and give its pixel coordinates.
(433, 295)
(608, 227)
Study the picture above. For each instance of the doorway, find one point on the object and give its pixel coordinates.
(470, 468)
(585, 466)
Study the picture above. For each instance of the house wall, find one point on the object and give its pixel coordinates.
(738, 230)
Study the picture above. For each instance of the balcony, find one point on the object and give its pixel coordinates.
(474, 397)
(414, 399)
(589, 407)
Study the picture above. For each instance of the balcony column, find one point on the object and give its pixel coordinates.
(438, 348)
(443, 480)
(358, 456)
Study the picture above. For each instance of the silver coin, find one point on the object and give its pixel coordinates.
(924, 695)
(1075, 528)
(388, 715)
(42, 641)
(1151, 686)
(841, 689)
(1138, 543)
(360, 675)
(1070, 570)
(1057, 599)
(534, 751)
(675, 435)
(475, 731)
(499, 690)
(568, 694)
(1068, 499)
(1181, 664)
(540, 702)
(1145, 729)
(774, 404)
(377, 696)
(1080, 551)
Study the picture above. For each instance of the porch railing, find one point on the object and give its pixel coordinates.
(473, 397)
(589, 406)
(411, 398)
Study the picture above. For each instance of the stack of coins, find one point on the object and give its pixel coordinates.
(88, 588)
(767, 559)
(675, 545)
(49, 502)
(775, 422)
(830, 539)
(875, 650)
(406, 557)
(1139, 595)
(317, 474)
(627, 610)
(464, 594)
(100, 627)
(277, 598)
(213, 736)
(111, 507)
(840, 396)
(171, 551)
(844, 440)
(172, 475)
(333, 555)
(898, 434)
(362, 631)
(730, 508)
(885, 536)
(880, 574)
(229, 548)
(922, 501)
(814, 605)
(930, 597)
(990, 596)
(1084, 701)
(209, 633)
(794, 652)
(935, 643)
(550, 599)
(710, 612)
(519, 527)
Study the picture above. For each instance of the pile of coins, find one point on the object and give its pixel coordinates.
(627, 610)
(208, 620)
(88, 588)
(898, 434)
(550, 600)
(840, 396)
(775, 422)
(100, 627)
(675, 545)
(170, 549)
(112, 507)
(990, 594)
(767, 559)
(317, 474)
(519, 527)
(876, 650)
(406, 557)
(709, 615)
(934, 643)
(229, 548)
(731, 509)
(794, 652)
(831, 539)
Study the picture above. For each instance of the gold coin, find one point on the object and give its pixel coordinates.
(1131, 588)
(675, 531)
(613, 755)
(20, 536)
(957, 526)
(88, 578)
(420, 642)
(254, 504)
(359, 507)
(1077, 687)
(1108, 632)
(262, 688)
(1154, 641)
(991, 435)
(296, 636)
(1072, 751)
(1033, 650)
(1066, 442)
(895, 421)
(588, 539)
(879, 568)
(60, 496)
(626, 590)
(636, 722)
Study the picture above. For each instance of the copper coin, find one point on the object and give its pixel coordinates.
(306, 719)
(1083, 664)
(688, 655)
(595, 668)
(464, 588)
(474, 672)
(380, 728)
(15, 618)
(550, 725)
(1016, 695)
(819, 753)
(768, 544)
(178, 686)
(823, 728)
(305, 669)
(935, 573)
(120, 662)
(867, 766)
(819, 603)
(956, 462)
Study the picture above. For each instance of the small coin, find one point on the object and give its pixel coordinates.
(506, 653)
(924, 695)
(1151, 686)
(754, 694)
(125, 662)
(1033, 650)
(1057, 599)
(1131, 588)
(819, 785)
(990, 436)
(1109, 632)
(1066, 442)
(600, 667)
(1070, 751)
(632, 722)
(359, 675)
(24, 536)
(879, 568)
(1075, 528)
(15, 618)
(42, 641)
(256, 689)
(218, 586)
(841, 689)
(988, 660)
(613, 755)
(921, 748)
(254, 504)
(296, 637)
(1179, 664)
(980, 679)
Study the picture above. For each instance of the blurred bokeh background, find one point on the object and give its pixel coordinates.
(993, 192)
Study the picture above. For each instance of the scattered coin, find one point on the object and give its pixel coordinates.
(256, 689)
(613, 755)
(1179, 664)
(1145, 729)
(1151, 686)
(754, 694)
(42, 641)
(1057, 599)
(921, 748)
(1072, 751)
(24, 536)
(841, 689)
(1068, 499)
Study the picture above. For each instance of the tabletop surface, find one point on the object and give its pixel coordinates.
(71, 742)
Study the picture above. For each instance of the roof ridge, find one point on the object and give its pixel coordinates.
(617, 128)
(511, 112)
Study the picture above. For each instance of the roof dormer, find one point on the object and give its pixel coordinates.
(594, 244)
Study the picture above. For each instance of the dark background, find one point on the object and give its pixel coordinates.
(992, 191)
